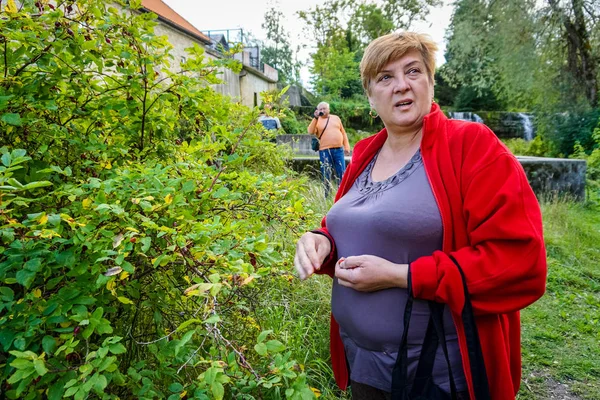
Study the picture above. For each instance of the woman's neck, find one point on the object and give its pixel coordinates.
(402, 141)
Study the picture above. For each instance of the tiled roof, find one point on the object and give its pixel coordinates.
(164, 11)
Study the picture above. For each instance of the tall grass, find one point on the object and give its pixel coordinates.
(561, 332)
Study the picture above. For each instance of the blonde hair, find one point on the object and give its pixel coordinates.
(392, 47)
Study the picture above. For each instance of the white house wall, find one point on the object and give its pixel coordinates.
(181, 41)
(251, 85)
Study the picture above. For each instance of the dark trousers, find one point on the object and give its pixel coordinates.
(361, 391)
(332, 161)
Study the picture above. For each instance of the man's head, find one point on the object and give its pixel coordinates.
(323, 107)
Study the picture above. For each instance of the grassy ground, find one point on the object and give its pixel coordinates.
(561, 332)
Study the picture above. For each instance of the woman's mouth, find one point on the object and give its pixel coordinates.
(403, 103)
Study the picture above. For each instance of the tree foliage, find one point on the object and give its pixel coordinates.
(276, 50)
(138, 209)
(530, 54)
(343, 28)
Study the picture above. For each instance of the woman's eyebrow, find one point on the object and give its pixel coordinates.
(410, 64)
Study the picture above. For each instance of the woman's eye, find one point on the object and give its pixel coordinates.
(384, 77)
(413, 71)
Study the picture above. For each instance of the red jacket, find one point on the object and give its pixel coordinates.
(492, 225)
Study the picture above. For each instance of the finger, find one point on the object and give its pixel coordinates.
(344, 282)
(343, 274)
(316, 253)
(299, 268)
(303, 263)
(351, 262)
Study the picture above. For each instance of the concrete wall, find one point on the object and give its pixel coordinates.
(555, 176)
(182, 41)
(300, 144)
(251, 84)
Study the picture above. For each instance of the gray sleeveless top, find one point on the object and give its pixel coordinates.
(396, 219)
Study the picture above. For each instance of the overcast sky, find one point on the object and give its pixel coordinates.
(249, 15)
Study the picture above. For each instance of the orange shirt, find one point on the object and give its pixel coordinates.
(334, 136)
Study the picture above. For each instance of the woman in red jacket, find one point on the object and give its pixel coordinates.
(427, 204)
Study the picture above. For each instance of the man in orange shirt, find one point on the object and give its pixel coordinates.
(333, 144)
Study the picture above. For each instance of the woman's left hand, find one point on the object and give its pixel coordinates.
(369, 273)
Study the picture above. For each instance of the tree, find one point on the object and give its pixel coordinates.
(343, 28)
(529, 54)
(582, 64)
(276, 50)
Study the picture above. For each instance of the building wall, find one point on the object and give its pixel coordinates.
(182, 41)
(251, 85)
(241, 87)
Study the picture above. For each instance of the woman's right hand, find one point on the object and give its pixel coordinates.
(311, 251)
(316, 113)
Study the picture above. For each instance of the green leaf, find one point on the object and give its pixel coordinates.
(176, 387)
(21, 363)
(107, 362)
(70, 383)
(35, 185)
(71, 391)
(12, 119)
(213, 319)
(25, 277)
(218, 390)
(261, 349)
(56, 391)
(186, 338)
(189, 186)
(98, 312)
(6, 159)
(263, 335)
(188, 323)
(33, 265)
(125, 300)
(146, 241)
(117, 348)
(20, 374)
(275, 346)
(48, 344)
(100, 384)
(210, 375)
(40, 367)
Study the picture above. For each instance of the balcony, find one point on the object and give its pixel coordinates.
(250, 56)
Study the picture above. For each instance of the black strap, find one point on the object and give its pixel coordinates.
(437, 312)
(426, 359)
(433, 336)
(327, 123)
(400, 371)
(478, 372)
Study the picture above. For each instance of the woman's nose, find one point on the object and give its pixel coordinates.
(401, 85)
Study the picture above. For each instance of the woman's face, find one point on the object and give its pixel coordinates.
(402, 93)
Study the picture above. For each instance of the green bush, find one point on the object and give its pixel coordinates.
(141, 215)
(566, 129)
(538, 147)
(292, 123)
(593, 163)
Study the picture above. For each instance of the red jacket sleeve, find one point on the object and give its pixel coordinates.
(505, 263)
